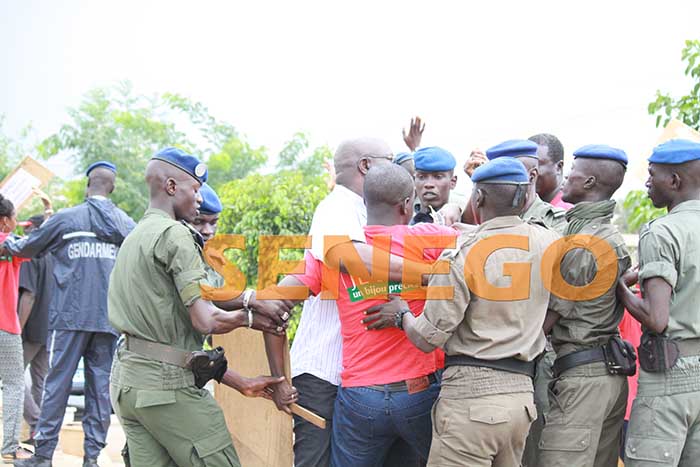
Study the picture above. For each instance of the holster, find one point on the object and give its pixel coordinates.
(206, 365)
(657, 353)
(620, 357)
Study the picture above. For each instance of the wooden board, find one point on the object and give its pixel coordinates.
(18, 185)
(261, 433)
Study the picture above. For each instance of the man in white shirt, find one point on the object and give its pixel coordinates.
(316, 354)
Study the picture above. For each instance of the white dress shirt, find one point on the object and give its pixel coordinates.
(317, 347)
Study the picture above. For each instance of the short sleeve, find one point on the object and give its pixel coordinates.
(440, 318)
(28, 277)
(311, 277)
(178, 253)
(657, 255)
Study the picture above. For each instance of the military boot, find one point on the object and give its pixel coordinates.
(90, 462)
(34, 461)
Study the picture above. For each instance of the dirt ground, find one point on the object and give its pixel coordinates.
(69, 452)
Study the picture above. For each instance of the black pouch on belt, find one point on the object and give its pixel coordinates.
(206, 365)
(657, 353)
(620, 357)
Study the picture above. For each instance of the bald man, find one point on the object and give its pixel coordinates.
(84, 241)
(316, 354)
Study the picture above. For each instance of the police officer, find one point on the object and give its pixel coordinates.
(490, 336)
(526, 152)
(434, 180)
(664, 427)
(206, 223)
(553, 218)
(155, 301)
(587, 400)
(84, 241)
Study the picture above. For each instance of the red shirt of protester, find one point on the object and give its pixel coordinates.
(9, 292)
(385, 356)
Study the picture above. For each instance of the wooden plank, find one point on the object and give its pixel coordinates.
(261, 433)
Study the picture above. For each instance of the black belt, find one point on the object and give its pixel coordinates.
(574, 359)
(511, 365)
(400, 385)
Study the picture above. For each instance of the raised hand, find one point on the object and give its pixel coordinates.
(415, 134)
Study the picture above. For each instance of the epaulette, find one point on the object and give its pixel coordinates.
(537, 221)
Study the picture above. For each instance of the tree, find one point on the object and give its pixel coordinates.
(637, 205)
(685, 108)
(115, 124)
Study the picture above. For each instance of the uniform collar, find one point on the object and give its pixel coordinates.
(100, 197)
(500, 222)
(156, 212)
(690, 205)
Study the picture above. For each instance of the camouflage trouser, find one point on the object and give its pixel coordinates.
(664, 428)
(583, 427)
(542, 379)
(167, 428)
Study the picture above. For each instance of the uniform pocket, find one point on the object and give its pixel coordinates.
(212, 444)
(652, 451)
(565, 438)
(216, 450)
(151, 398)
(489, 414)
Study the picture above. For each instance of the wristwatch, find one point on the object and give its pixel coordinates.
(246, 300)
(398, 317)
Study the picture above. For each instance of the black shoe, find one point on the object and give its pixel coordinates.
(89, 462)
(34, 461)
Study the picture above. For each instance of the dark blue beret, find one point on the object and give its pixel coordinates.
(601, 151)
(403, 157)
(513, 148)
(434, 159)
(183, 161)
(504, 170)
(210, 201)
(105, 164)
(675, 151)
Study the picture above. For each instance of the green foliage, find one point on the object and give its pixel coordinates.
(127, 129)
(639, 210)
(685, 108)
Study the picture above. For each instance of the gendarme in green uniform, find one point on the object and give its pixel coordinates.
(166, 418)
(665, 421)
(551, 216)
(587, 407)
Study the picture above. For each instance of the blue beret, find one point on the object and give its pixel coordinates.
(513, 148)
(504, 170)
(403, 157)
(105, 164)
(183, 161)
(601, 151)
(434, 159)
(210, 201)
(675, 151)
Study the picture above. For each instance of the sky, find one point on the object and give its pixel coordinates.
(478, 73)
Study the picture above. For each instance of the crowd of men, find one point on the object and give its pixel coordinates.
(521, 363)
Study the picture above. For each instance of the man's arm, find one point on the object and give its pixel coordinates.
(46, 236)
(550, 320)
(24, 308)
(260, 386)
(276, 349)
(208, 319)
(652, 311)
(384, 316)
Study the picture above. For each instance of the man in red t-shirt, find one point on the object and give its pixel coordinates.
(388, 386)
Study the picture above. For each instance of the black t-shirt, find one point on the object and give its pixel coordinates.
(36, 276)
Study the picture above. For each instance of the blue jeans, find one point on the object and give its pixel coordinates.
(366, 422)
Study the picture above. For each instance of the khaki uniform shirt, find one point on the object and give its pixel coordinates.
(551, 216)
(669, 248)
(156, 276)
(590, 323)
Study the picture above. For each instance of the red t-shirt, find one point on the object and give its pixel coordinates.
(384, 356)
(9, 291)
(631, 331)
(559, 203)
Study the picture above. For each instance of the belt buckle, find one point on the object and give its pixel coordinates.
(416, 385)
